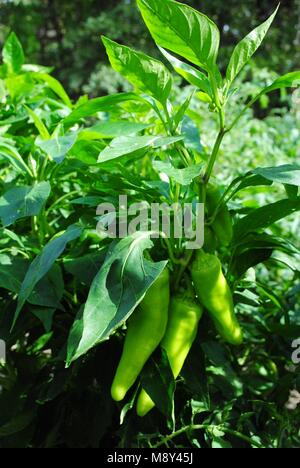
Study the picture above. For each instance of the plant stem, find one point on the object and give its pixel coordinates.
(199, 427)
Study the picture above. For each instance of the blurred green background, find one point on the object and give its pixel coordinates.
(66, 34)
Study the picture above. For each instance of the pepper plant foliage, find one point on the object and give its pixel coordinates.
(66, 292)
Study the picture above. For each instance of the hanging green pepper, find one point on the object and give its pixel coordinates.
(184, 316)
(145, 331)
(214, 293)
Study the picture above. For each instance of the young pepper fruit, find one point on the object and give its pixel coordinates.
(222, 225)
(145, 331)
(214, 293)
(184, 316)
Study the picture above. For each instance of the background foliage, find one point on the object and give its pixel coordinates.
(67, 35)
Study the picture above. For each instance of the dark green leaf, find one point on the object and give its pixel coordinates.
(116, 290)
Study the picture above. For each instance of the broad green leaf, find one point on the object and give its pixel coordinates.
(12, 54)
(286, 174)
(43, 263)
(41, 127)
(54, 85)
(109, 130)
(183, 30)
(265, 216)
(189, 73)
(23, 201)
(101, 104)
(117, 289)
(58, 147)
(247, 47)
(182, 176)
(143, 72)
(125, 146)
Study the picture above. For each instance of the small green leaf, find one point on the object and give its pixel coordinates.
(58, 147)
(143, 72)
(41, 127)
(246, 48)
(182, 176)
(109, 130)
(54, 85)
(183, 30)
(12, 53)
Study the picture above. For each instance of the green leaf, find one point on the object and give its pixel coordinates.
(43, 263)
(247, 47)
(182, 30)
(290, 80)
(265, 216)
(125, 146)
(42, 129)
(158, 381)
(287, 174)
(12, 53)
(109, 130)
(47, 292)
(20, 202)
(8, 151)
(58, 147)
(189, 73)
(182, 176)
(101, 104)
(117, 289)
(54, 85)
(143, 72)
(45, 316)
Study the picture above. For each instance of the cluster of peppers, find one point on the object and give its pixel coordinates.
(173, 324)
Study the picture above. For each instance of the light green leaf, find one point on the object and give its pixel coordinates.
(12, 54)
(116, 291)
(58, 147)
(247, 47)
(55, 85)
(43, 263)
(182, 176)
(125, 146)
(38, 123)
(8, 151)
(183, 30)
(143, 72)
(20, 202)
